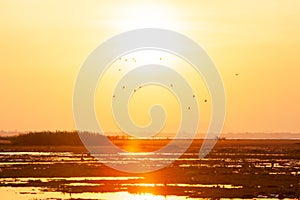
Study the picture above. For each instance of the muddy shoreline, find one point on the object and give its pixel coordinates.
(234, 169)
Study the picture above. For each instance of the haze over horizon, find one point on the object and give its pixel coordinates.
(240, 135)
(254, 47)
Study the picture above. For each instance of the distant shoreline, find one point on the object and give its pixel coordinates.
(72, 138)
(241, 135)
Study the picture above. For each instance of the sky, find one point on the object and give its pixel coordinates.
(44, 43)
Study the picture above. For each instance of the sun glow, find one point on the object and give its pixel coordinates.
(146, 16)
(43, 46)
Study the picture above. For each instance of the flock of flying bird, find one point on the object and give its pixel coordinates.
(171, 85)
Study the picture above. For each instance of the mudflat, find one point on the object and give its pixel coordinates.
(233, 169)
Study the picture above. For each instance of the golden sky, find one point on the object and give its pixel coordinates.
(44, 43)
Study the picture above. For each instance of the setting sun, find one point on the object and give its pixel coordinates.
(145, 15)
